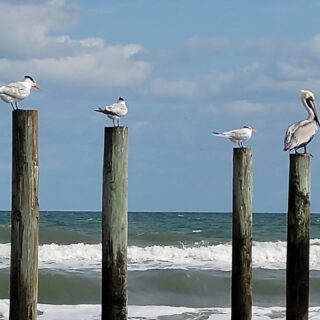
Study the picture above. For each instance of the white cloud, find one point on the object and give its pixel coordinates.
(211, 43)
(89, 43)
(236, 108)
(241, 78)
(39, 44)
(295, 71)
(180, 87)
(108, 67)
(244, 107)
(314, 44)
(29, 26)
(214, 43)
(30, 48)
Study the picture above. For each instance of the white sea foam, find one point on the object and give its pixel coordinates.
(93, 312)
(267, 255)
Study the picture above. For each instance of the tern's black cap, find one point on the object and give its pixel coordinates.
(29, 77)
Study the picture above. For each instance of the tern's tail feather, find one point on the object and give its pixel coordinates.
(218, 134)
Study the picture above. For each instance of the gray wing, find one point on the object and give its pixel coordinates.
(299, 134)
(289, 138)
(116, 109)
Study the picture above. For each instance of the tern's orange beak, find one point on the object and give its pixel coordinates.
(37, 86)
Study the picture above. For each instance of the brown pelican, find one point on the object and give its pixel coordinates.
(115, 111)
(299, 134)
(17, 91)
(237, 135)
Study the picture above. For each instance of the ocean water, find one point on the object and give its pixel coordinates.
(179, 265)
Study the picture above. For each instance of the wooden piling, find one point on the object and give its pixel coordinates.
(241, 286)
(298, 237)
(24, 216)
(115, 224)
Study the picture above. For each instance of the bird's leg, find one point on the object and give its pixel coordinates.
(113, 123)
(16, 105)
(305, 151)
(12, 105)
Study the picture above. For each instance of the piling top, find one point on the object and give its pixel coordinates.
(116, 128)
(23, 110)
(242, 151)
(297, 155)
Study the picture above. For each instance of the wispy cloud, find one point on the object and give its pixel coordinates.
(218, 43)
(40, 44)
(30, 37)
(244, 107)
(180, 87)
(31, 46)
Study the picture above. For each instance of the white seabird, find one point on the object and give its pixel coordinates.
(237, 135)
(300, 133)
(17, 91)
(115, 111)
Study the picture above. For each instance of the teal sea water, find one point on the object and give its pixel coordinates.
(175, 259)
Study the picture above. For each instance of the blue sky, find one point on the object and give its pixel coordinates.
(185, 68)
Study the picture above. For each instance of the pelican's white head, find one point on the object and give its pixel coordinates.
(307, 94)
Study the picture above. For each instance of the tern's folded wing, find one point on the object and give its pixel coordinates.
(15, 91)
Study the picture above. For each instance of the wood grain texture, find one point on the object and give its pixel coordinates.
(115, 224)
(298, 237)
(24, 216)
(241, 284)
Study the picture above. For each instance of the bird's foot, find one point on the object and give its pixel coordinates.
(305, 153)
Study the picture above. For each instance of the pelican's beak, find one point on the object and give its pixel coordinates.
(316, 117)
(37, 86)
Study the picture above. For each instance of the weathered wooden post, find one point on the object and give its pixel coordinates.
(241, 286)
(24, 216)
(115, 224)
(297, 284)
